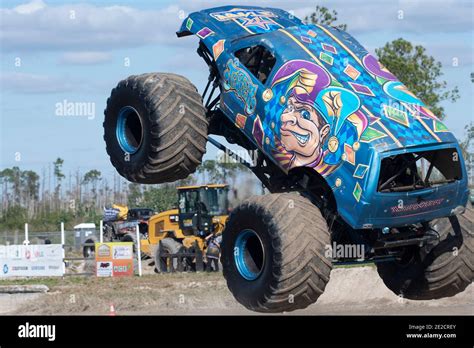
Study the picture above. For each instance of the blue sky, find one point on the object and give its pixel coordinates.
(53, 51)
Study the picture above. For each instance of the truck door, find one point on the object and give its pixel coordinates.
(244, 81)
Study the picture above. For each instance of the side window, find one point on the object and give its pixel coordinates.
(159, 227)
(258, 60)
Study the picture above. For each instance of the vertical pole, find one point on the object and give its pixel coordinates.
(63, 241)
(101, 231)
(62, 234)
(26, 241)
(139, 258)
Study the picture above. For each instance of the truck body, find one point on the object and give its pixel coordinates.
(359, 115)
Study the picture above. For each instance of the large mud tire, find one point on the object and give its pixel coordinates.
(289, 271)
(444, 272)
(155, 128)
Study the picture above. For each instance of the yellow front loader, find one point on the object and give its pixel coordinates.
(187, 238)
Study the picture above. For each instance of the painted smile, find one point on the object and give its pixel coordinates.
(302, 139)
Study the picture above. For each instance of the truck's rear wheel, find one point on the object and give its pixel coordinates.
(155, 128)
(445, 271)
(273, 253)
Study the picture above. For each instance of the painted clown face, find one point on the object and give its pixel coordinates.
(302, 131)
(299, 128)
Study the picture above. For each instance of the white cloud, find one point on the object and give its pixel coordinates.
(87, 27)
(78, 27)
(85, 58)
(30, 7)
(413, 16)
(37, 83)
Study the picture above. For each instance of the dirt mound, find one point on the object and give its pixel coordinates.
(362, 284)
(359, 290)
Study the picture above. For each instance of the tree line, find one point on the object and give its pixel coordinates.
(47, 199)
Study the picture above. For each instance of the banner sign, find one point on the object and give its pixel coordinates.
(114, 259)
(35, 260)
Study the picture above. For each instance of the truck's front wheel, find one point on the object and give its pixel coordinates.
(444, 271)
(273, 253)
(155, 128)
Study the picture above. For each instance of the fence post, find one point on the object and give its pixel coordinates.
(139, 256)
(62, 234)
(26, 241)
(63, 241)
(101, 231)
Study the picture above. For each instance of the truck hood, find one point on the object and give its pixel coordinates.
(386, 114)
(354, 88)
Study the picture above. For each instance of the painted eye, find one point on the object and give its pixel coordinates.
(290, 108)
(305, 114)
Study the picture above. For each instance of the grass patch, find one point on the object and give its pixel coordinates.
(362, 264)
(50, 282)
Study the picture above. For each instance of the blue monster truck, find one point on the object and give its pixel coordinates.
(351, 157)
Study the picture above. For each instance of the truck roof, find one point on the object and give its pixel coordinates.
(231, 22)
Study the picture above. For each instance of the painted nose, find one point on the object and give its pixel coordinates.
(288, 117)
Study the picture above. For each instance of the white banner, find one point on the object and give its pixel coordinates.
(31, 260)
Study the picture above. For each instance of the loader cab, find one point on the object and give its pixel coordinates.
(198, 205)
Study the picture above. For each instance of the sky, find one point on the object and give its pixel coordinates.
(55, 52)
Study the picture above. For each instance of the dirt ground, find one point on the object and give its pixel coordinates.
(351, 291)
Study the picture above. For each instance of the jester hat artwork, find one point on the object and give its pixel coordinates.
(310, 118)
(301, 79)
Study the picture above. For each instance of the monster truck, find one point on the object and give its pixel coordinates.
(349, 155)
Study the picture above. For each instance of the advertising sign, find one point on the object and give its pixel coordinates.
(31, 260)
(114, 259)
